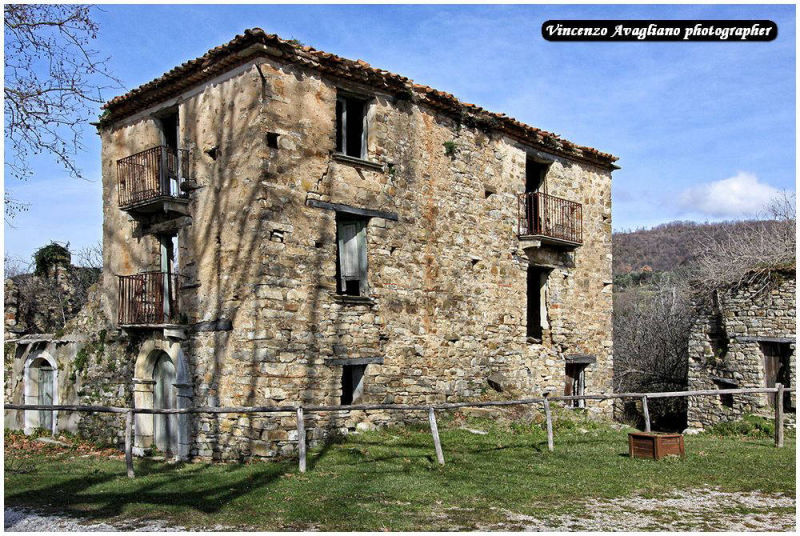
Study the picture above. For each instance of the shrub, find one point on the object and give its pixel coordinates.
(751, 426)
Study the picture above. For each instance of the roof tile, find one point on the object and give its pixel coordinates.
(223, 57)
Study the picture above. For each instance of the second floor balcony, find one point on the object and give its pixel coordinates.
(150, 181)
(148, 299)
(550, 219)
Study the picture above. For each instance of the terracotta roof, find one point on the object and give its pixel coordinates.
(255, 41)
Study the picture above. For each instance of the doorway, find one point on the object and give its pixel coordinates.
(777, 356)
(40, 388)
(575, 383)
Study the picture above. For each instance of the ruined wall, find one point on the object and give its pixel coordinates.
(447, 280)
(43, 304)
(726, 350)
(94, 367)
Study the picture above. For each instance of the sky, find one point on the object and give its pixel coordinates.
(704, 131)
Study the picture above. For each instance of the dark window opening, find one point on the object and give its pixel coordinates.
(272, 140)
(726, 399)
(351, 128)
(351, 252)
(777, 356)
(718, 338)
(537, 307)
(575, 383)
(535, 173)
(352, 383)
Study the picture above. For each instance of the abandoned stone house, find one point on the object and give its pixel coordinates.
(745, 338)
(284, 226)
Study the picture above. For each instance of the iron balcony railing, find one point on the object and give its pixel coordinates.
(549, 216)
(148, 298)
(152, 173)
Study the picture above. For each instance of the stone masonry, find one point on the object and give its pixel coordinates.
(728, 345)
(261, 322)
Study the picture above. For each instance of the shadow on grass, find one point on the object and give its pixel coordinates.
(156, 484)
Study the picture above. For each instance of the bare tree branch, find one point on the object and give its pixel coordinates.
(53, 80)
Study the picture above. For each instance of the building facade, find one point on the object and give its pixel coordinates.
(745, 339)
(283, 226)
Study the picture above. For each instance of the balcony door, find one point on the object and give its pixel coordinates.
(170, 127)
(169, 270)
(535, 173)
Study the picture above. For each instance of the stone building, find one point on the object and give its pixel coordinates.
(284, 226)
(745, 338)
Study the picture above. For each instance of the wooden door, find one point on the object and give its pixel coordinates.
(46, 390)
(165, 427)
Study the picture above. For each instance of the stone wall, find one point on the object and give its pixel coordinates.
(446, 306)
(726, 349)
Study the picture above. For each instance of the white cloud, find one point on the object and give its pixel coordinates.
(740, 196)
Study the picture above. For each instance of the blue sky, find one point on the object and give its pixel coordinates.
(704, 131)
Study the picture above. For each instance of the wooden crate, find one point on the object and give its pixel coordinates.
(654, 446)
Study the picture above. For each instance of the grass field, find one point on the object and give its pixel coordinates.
(389, 479)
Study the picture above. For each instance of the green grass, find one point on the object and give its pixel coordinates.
(389, 479)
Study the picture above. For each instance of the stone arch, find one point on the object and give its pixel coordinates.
(145, 396)
(40, 386)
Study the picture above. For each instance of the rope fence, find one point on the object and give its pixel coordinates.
(779, 390)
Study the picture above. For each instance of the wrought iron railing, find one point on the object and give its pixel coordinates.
(152, 173)
(148, 298)
(546, 215)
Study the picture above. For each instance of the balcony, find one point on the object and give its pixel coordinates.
(549, 219)
(150, 181)
(148, 299)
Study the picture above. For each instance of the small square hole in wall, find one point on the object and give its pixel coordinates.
(272, 140)
(488, 192)
(276, 235)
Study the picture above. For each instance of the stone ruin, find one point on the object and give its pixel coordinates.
(745, 338)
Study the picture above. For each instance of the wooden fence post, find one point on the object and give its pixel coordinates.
(549, 417)
(435, 433)
(646, 414)
(129, 442)
(301, 439)
(779, 415)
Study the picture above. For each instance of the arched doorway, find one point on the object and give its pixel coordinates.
(40, 388)
(161, 381)
(165, 427)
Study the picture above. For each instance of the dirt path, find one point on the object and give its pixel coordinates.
(690, 510)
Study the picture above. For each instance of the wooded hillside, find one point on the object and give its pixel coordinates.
(668, 246)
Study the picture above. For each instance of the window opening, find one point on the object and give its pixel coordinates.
(351, 126)
(351, 238)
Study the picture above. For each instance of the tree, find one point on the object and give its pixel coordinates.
(751, 254)
(651, 344)
(53, 80)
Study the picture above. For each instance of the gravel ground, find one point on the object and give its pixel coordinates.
(689, 510)
(28, 520)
